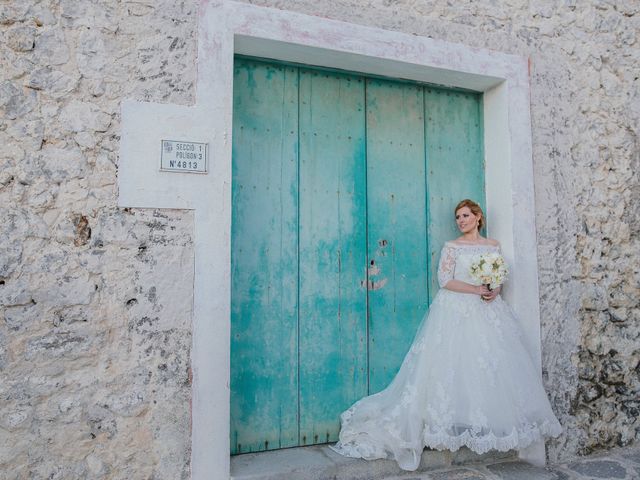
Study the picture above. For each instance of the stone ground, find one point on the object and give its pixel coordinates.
(318, 462)
(620, 463)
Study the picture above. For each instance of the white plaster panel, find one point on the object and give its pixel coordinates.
(140, 181)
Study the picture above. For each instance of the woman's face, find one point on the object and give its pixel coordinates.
(466, 220)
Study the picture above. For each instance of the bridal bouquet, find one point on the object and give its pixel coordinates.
(489, 269)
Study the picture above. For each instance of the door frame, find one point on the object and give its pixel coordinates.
(226, 28)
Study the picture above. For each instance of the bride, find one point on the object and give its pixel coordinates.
(467, 378)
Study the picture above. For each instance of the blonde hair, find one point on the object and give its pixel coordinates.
(475, 209)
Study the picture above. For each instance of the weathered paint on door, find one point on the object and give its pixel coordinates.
(264, 259)
(342, 194)
(332, 211)
(397, 223)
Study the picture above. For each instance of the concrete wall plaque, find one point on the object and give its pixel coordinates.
(183, 156)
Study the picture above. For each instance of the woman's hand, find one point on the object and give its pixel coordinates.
(482, 290)
(464, 287)
(491, 295)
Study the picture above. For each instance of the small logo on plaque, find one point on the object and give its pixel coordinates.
(185, 157)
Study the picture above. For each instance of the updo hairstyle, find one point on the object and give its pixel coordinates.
(475, 209)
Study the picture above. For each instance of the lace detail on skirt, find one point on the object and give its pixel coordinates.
(478, 440)
(483, 441)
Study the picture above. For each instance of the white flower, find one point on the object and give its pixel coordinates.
(489, 268)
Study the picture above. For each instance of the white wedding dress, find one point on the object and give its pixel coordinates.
(467, 380)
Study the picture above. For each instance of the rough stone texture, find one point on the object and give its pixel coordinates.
(600, 469)
(95, 301)
(461, 474)
(610, 464)
(95, 346)
(320, 462)
(94, 312)
(524, 471)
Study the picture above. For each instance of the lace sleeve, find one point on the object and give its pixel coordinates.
(447, 265)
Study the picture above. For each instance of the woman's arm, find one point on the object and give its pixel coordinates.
(464, 287)
(446, 269)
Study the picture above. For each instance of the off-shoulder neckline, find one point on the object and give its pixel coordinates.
(455, 244)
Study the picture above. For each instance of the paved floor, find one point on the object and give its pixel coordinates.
(320, 463)
(620, 463)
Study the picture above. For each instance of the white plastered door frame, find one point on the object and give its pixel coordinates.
(227, 28)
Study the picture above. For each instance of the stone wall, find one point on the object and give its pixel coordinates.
(95, 305)
(95, 317)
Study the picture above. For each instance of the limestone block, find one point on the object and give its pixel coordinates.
(96, 466)
(139, 9)
(10, 257)
(97, 87)
(72, 289)
(92, 56)
(101, 421)
(84, 116)
(632, 407)
(613, 371)
(21, 318)
(7, 176)
(594, 298)
(41, 195)
(543, 9)
(150, 64)
(26, 134)
(100, 15)
(127, 404)
(52, 82)
(15, 417)
(623, 297)
(13, 12)
(63, 344)
(62, 164)
(15, 292)
(591, 392)
(16, 220)
(14, 65)
(586, 368)
(70, 314)
(43, 14)
(594, 343)
(618, 314)
(14, 101)
(85, 139)
(51, 48)
(4, 355)
(173, 427)
(21, 38)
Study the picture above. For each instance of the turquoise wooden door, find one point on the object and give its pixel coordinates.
(342, 194)
(332, 319)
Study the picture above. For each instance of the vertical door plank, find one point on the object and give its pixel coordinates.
(455, 164)
(264, 261)
(397, 224)
(332, 251)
